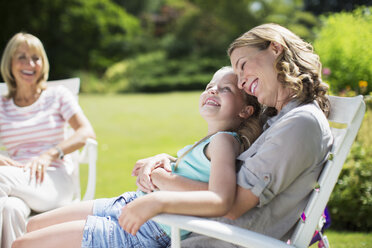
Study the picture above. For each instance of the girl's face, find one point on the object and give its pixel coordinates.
(257, 75)
(26, 65)
(222, 102)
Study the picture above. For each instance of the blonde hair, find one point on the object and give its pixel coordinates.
(298, 67)
(248, 130)
(6, 60)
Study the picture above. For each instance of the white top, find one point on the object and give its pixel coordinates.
(27, 132)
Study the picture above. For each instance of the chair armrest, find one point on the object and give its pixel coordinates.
(218, 230)
(89, 156)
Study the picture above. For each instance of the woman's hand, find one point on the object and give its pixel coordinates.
(38, 167)
(143, 168)
(137, 212)
(4, 160)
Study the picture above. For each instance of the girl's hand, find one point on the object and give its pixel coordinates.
(137, 212)
(4, 160)
(38, 167)
(144, 167)
(159, 177)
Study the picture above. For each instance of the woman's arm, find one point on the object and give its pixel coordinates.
(217, 201)
(245, 200)
(83, 131)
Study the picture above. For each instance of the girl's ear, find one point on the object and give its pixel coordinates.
(276, 47)
(246, 112)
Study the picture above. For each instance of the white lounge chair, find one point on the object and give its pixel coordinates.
(345, 119)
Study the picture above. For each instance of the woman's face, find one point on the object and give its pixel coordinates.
(257, 76)
(26, 65)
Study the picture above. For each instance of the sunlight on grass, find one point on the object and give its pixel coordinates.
(347, 239)
(134, 126)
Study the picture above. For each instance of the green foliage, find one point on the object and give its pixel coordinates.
(351, 200)
(205, 28)
(290, 15)
(92, 35)
(154, 72)
(102, 28)
(344, 47)
(89, 82)
(77, 34)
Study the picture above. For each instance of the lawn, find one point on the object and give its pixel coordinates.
(347, 239)
(134, 126)
(131, 127)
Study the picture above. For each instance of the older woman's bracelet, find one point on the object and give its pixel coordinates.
(60, 152)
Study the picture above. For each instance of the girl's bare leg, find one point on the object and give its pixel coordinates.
(72, 212)
(68, 234)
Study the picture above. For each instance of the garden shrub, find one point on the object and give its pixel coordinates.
(90, 82)
(154, 72)
(351, 201)
(343, 44)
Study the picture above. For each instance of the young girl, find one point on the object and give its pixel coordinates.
(233, 125)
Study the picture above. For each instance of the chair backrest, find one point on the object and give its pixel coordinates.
(73, 84)
(345, 119)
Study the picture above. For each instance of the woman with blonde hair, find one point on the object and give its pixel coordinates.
(280, 169)
(36, 175)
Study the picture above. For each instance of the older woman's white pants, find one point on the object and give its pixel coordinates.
(19, 195)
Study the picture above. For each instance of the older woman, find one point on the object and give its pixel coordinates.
(279, 170)
(37, 175)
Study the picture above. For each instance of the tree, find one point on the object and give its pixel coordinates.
(77, 34)
(327, 6)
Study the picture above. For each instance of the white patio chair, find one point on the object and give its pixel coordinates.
(345, 119)
(88, 155)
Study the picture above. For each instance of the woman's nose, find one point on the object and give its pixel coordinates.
(29, 61)
(241, 83)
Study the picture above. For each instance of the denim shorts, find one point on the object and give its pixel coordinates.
(103, 229)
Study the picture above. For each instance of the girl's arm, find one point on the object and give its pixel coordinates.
(165, 180)
(217, 201)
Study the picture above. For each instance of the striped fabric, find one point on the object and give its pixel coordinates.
(26, 132)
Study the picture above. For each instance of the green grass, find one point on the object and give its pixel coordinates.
(134, 126)
(339, 239)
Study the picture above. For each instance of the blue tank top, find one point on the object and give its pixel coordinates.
(196, 166)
